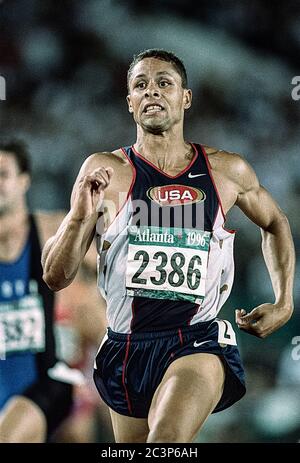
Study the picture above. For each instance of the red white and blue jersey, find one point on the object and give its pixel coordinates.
(166, 261)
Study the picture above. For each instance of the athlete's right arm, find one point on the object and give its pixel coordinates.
(64, 252)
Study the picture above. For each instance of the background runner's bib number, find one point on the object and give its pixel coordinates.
(167, 263)
(22, 325)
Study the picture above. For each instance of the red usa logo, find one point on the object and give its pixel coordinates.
(175, 195)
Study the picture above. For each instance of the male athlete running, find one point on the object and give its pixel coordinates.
(166, 262)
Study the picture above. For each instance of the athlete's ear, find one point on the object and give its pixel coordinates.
(187, 98)
(130, 108)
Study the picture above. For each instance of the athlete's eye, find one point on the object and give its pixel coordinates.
(140, 85)
(164, 83)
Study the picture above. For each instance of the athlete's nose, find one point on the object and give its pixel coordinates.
(152, 90)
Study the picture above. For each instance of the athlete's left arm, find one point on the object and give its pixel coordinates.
(278, 251)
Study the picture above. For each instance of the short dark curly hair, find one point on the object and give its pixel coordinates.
(20, 152)
(163, 55)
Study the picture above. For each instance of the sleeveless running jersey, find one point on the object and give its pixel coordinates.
(166, 261)
(27, 347)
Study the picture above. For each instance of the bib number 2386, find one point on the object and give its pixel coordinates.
(167, 263)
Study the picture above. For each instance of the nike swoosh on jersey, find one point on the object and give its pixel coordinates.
(195, 175)
(197, 344)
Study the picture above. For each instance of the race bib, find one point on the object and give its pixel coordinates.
(167, 263)
(22, 325)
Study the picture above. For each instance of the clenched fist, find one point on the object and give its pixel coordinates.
(89, 193)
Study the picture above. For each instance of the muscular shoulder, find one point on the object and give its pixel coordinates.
(232, 167)
(115, 159)
(47, 223)
(122, 171)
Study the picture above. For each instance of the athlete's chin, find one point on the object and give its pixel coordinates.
(155, 127)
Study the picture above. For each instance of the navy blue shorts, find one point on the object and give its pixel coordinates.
(130, 367)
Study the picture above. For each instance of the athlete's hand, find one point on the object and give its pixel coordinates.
(89, 194)
(264, 319)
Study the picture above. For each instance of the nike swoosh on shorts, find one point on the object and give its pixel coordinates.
(197, 344)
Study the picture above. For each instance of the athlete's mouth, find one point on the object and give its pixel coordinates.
(152, 108)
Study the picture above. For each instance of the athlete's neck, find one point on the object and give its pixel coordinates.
(165, 151)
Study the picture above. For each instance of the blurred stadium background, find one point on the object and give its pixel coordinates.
(65, 67)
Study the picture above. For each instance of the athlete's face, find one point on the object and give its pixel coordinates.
(13, 184)
(156, 97)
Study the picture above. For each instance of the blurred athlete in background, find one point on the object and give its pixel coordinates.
(35, 389)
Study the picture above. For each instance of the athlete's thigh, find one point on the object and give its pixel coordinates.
(129, 429)
(189, 391)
